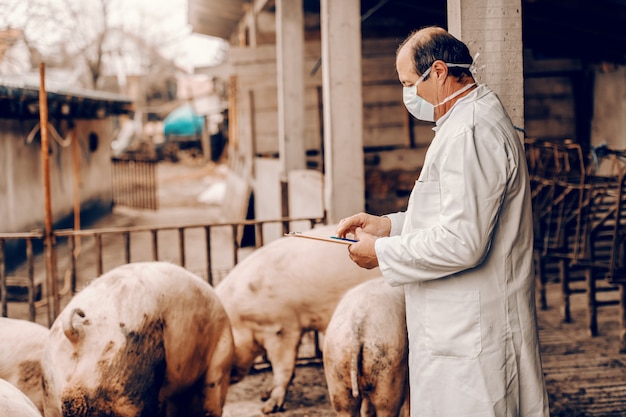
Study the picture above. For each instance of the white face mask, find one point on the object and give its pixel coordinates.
(420, 108)
(417, 106)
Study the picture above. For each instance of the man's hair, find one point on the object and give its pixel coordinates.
(433, 43)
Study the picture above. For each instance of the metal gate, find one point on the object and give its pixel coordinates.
(135, 183)
(208, 250)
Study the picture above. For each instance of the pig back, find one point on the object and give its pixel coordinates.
(21, 347)
(293, 275)
(14, 402)
(137, 334)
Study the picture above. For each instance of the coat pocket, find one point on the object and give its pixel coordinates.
(424, 205)
(452, 323)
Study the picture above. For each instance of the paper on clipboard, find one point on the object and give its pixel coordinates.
(333, 239)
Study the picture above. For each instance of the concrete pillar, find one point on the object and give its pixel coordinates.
(344, 188)
(494, 29)
(290, 82)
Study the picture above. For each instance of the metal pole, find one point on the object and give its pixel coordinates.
(77, 183)
(53, 300)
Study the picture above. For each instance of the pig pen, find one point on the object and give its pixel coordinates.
(307, 395)
(584, 375)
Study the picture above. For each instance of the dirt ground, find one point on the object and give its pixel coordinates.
(307, 397)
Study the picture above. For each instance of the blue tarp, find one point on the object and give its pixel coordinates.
(183, 122)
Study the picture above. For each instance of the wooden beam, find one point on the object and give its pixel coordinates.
(342, 102)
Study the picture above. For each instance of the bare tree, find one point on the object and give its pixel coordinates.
(87, 36)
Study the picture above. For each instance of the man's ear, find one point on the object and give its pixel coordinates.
(440, 70)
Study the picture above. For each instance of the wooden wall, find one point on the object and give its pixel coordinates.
(387, 127)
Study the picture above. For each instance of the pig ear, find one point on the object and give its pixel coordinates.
(73, 325)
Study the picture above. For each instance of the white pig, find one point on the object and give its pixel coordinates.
(282, 289)
(365, 352)
(14, 403)
(21, 347)
(144, 339)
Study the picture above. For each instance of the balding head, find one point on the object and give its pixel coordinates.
(432, 43)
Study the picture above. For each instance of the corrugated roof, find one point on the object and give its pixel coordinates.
(30, 82)
(19, 98)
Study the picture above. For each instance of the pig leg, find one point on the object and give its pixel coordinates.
(385, 397)
(344, 403)
(281, 347)
(217, 378)
(206, 397)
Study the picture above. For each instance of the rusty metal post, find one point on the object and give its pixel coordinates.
(73, 262)
(30, 259)
(76, 189)
(3, 282)
(258, 233)
(235, 228)
(52, 291)
(155, 245)
(127, 247)
(99, 261)
(181, 245)
(207, 237)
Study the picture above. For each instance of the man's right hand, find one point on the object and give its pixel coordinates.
(378, 226)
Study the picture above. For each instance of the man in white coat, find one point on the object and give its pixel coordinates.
(463, 248)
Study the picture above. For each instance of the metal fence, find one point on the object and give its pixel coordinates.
(580, 223)
(135, 183)
(209, 250)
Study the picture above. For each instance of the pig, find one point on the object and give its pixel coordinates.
(365, 352)
(144, 339)
(279, 291)
(21, 347)
(14, 403)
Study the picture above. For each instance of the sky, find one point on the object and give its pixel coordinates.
(163, 22)
(195, 49)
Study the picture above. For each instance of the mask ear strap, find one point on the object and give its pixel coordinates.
(473, 68)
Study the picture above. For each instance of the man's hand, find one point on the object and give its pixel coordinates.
(374, 225)
(363, 252)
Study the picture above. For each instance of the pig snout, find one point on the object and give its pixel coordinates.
(76, 405)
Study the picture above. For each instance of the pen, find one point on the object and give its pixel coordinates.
(345, 239)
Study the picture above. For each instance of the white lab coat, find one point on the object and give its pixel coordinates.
(463, 251)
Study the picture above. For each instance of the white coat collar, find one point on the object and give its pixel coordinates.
(480, 91)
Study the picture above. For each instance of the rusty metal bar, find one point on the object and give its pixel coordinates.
(31, 279)
(99, 263)
(181, 245)
(53, 300)
(207, 238)
(3, 280)
(99, 234)
(154, 183)
(318, 349)
(73, 259)
(132, 229)
(258, 232)
(235, 244)
(155, 245)
(127, 247)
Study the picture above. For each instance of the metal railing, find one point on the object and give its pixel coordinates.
(209, 250)
(579, 223)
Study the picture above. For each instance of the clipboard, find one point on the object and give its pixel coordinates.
(333, 239)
